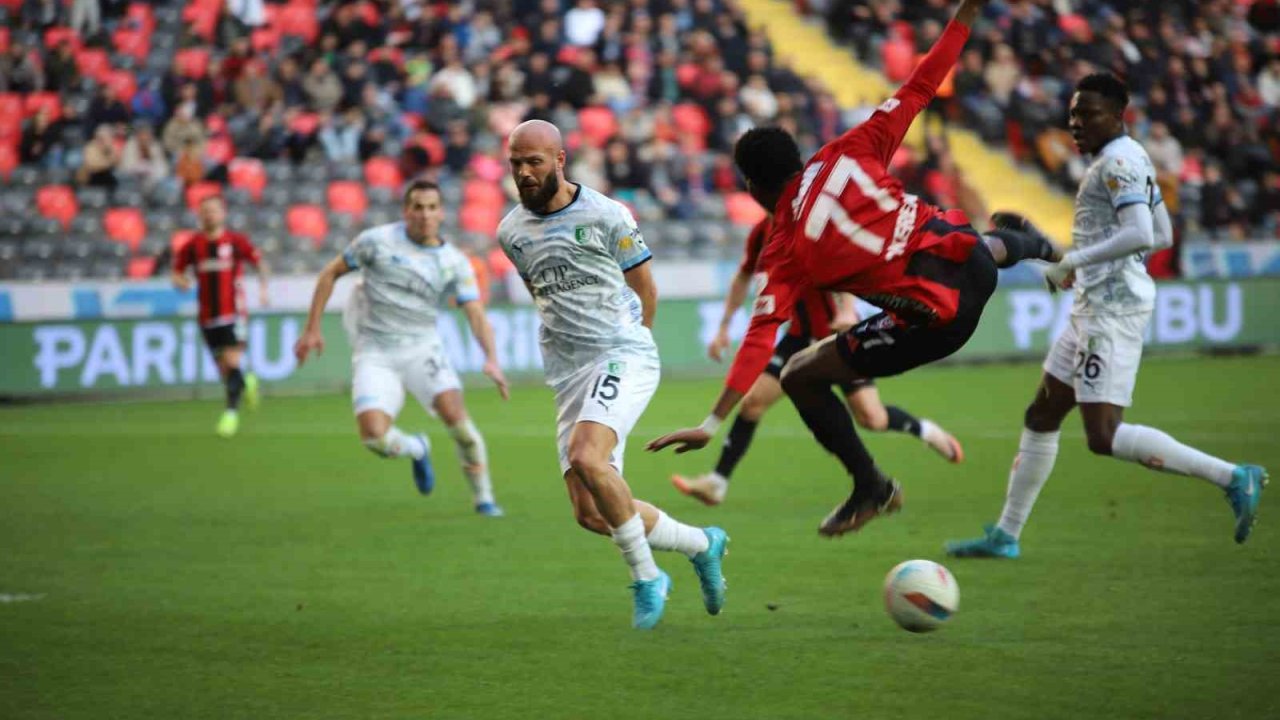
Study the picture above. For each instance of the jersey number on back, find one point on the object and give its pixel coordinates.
(827, 208)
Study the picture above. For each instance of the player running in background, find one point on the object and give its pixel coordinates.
(843, 223)
(409, 273)
(586, 265)
(1120, 216)
(814, 317)
(218, 256)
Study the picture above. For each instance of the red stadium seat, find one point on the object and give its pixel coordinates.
(12, 106)
(413, 121)
(248, 174)
(193, 62)
(134, 42)
(369, 13)
(57, 202)
(180, 238)
(898, 58)
(94, 63)
(141, 15)
(597, 124)
(215, 124)
(140, 268)
(197, 192)
(348, 197)
(126, 225)
(485, 194)
(479, 219)
(432, 144)
(305, 123)
(382, 172)
(299, 20)
(13, 5)
(123, 85)
(55, 35)
(265, 40)
(38, 100)
(691, 119)
(8, 159)
(202, 18)
(219, 149)
(742, 209)
(4, 39)
(307, 221)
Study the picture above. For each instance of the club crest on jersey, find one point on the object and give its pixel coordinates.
(616, 367)
(582, 234)
(224, 251)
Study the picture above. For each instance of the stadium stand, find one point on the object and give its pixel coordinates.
(1205, 77)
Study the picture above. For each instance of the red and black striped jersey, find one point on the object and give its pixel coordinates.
(812, 315)
(218, 263)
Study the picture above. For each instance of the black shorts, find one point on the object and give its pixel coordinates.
(790, 345)
(881, 347)
(221, 337)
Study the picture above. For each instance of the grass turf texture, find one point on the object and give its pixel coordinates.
(289, 573)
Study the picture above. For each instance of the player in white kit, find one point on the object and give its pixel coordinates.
(1119, 217)
(408, 275)
(586, 266)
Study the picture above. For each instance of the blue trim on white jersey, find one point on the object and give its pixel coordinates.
(639, 261)
(1129, 199)
(350, 258)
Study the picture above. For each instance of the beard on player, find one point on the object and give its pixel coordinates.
(535, 196)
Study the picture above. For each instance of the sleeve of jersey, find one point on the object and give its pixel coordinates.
(248, 250)
(358, 252)
(465, 288)
(772, 307)
(755, 242)
(627, 244)
(182, 258)
(889, 125)
(1127, 184)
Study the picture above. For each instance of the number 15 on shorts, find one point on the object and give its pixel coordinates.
(605, 386)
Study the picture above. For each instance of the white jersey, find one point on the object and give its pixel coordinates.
(1122, 174)
(404, 286)
(573, 260)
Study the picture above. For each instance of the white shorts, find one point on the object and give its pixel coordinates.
(614, 392)
(1098, 355)
(379, 378)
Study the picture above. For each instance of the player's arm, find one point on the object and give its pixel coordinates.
(640, 279)
(312, 338)
(250, 254)
(482, 331)
(264, 281)
(889, 124)
(733, 301)
(772, 308)
(181, 261)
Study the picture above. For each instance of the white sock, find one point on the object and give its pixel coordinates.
(1157, 450)
(475, 459)
(629, 537)
(1031, 467)
(668, 534)
(397, 444)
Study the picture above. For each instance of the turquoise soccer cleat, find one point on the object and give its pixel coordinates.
(489, 509)
(651, 600)
(707, 565)
(424, 476)
(995, 543)
(1244, 493)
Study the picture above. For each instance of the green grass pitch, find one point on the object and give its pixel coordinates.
(290, 574)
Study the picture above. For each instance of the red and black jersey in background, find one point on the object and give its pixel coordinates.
(219, 263)
(813, 313)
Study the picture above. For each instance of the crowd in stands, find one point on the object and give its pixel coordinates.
(151, 105)
(1204, 75)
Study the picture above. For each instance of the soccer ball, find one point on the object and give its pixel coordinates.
(920, 595)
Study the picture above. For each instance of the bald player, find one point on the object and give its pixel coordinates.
(587, 267)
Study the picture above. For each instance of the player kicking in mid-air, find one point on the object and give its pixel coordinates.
(218, 255)
(1120, 216)
(814, 317)
(843, 223)
(586, 265)
(409, 273)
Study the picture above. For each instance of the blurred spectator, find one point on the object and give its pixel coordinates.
(42, 14)
(86, 17)
(623, 169)
(582, 24)
(101, 157)
(143, 158)
(107, 109)
(457, 151)
(61, 73)
(41, 139)
(340, 136)
(249, 13)
(20, 69)
(322, 86)
(183, 130)
(189, 167)
(1165, 150)
(255, 91)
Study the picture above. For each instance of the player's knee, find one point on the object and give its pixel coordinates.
(753, 408)
(1040, 418)
(1099, 441)
(587, 463)
(874, 419)
(794, 378)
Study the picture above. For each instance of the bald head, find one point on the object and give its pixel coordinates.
(535, 152)
(537, 134)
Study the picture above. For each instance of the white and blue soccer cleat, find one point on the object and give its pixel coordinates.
(424, 476)
(489, 509)
(994, 543)
(707, 565)
(1244, 493)
(650, 600)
